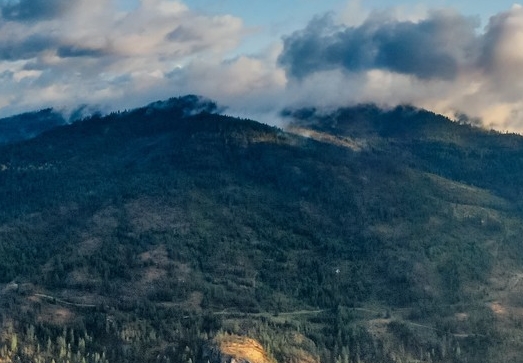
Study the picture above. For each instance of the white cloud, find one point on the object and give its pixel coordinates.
(251, 86)
(90, 51)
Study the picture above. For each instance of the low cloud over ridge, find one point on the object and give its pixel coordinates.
(65, 53)
(57, 52)
(444, 62)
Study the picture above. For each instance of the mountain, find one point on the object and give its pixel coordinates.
(171, 233)
(28, 125)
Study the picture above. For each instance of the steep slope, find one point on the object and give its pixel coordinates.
(427, 141)
(142, 235)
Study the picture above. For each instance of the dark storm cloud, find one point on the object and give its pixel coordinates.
(33, 10)
(434, 48)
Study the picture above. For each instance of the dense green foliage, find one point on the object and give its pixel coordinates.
(140, 235)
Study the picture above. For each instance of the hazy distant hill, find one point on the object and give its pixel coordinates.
(28, 125)
(171, 233)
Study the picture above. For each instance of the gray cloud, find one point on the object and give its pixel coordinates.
(93, 53)
(434, 48)
(66, 52)
(442, 61)
(33, 10)
(74, 51)
(15, 49)
(183, 34)
(32, 46)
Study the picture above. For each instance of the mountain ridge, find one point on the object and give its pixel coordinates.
(149, 232)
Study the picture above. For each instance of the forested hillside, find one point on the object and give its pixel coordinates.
(171, 233)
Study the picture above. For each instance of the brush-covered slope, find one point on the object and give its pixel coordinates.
(147, 235)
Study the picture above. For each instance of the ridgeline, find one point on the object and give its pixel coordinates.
(362, 235)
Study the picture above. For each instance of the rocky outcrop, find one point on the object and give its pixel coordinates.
(227, 348)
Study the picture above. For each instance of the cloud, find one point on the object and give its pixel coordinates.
(250, 86)
(33, 10)
(442, 61)
(60, 53)
(76, 51)
(13, 49)
(435, 47)
(71, 51)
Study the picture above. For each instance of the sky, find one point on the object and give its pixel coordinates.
(257, 57)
